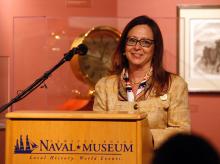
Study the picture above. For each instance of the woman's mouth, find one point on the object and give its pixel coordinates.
(137, 55)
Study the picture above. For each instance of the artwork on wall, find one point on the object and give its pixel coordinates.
(199, 47)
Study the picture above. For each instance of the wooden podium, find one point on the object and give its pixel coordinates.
(77, 137)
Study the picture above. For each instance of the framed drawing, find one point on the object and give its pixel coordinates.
(199, 47)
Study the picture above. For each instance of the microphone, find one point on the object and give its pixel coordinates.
(80, 50)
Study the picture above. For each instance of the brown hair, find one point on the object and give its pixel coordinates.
(160, 77)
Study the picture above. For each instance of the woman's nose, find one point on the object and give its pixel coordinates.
(137, 45)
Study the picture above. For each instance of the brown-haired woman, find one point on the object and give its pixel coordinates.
(139, 82)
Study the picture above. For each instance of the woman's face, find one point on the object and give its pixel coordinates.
(139, 54)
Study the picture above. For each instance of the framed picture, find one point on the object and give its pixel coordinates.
(199, 47)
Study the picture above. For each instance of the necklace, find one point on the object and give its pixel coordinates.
(135, 83)
(146, 77)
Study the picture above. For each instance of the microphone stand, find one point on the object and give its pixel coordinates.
(67, 57)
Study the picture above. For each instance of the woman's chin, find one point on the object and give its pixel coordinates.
(137, 62)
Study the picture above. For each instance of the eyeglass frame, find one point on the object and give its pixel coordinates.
(139, 41)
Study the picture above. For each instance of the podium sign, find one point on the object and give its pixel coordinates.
(77, 137)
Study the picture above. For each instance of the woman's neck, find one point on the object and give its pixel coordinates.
(137, 74)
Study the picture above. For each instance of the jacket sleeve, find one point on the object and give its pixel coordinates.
(178, 112)
(100, 96)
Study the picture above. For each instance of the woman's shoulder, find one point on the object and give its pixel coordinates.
(107, 80)
(177, 81)
(177, 78)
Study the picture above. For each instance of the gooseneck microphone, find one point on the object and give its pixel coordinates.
(80, 50)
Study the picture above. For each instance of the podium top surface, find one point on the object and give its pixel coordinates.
(81, 115)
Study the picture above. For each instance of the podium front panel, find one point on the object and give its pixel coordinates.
(66, 140)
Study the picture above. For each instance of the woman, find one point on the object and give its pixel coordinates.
(139, 82)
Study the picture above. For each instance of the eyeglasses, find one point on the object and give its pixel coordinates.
(131, 41)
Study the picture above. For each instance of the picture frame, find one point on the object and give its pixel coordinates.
(198, 47)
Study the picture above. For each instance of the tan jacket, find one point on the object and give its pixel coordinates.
(167, 114)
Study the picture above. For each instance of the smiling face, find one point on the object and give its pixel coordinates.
(139, 55)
